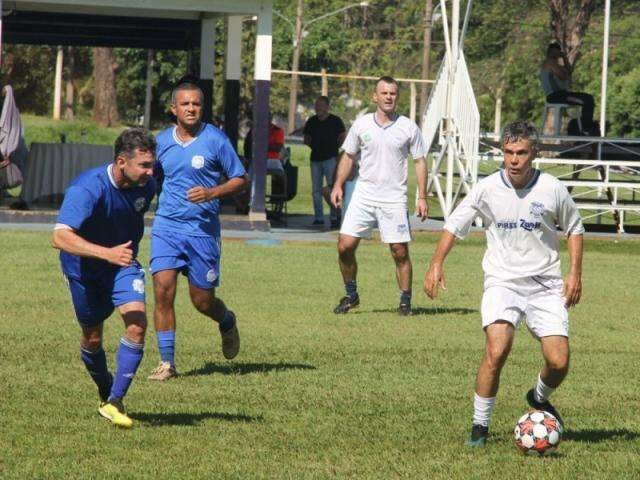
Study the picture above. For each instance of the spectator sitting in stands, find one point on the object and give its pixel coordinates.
(556, 77)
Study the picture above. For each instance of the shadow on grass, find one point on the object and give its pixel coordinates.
(425, 311)
(189, 419)
(245, 368)
(600, 435)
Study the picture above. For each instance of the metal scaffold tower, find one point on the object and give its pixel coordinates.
(452, 113)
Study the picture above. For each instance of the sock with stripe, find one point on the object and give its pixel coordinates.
(96, 363)
(128, 358)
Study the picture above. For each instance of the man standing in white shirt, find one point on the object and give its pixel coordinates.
(384, 141)
(520, 208)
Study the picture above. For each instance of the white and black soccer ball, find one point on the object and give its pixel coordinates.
(537, 433)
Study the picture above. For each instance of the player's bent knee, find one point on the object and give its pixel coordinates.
(558, 363)
(91, 344)
(202, 301)
(496, 356)
(400, 252)
(136, 332)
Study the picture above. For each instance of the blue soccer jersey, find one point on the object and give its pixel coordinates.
(202, 161)
(103, 214)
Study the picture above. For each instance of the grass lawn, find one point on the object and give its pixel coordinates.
(313, 395)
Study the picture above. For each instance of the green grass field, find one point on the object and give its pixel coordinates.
(313, 395)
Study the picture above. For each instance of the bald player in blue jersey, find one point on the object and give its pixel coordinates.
(98, 230)
(193, 158)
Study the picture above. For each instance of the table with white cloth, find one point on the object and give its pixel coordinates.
(51, 167)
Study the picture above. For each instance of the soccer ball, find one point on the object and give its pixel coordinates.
(537, 433)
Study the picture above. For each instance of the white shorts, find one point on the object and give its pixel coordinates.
(538, 299)
(392, 220)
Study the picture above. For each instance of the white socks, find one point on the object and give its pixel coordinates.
(541, 392)
(482, 408)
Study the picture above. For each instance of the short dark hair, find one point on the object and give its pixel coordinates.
(133, 139)
(554, 46)
(185, 86)
(324, 98)
(387, 79)
(520, 130)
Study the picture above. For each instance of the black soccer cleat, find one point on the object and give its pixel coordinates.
(479, 434)
(544, 406)
(404, 309)
(346, 304)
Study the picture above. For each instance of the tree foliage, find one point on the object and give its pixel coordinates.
(504, 47)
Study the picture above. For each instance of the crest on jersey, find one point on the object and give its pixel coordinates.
(139, 204)
(536, 209)
(138, 286)
(197, 161)
(211, 275)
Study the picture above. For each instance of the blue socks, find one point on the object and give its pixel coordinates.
(96, 363)
(228, 321)
(128, 358)
(167, 345)
(405, 297)
(351, 288)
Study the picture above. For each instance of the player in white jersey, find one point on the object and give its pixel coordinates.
(520, 208)
(384, 141)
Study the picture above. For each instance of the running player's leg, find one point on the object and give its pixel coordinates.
(499, 337)
(95, 360)
(129, 298)
(208, 304)
(548, 320)
(92, 306)
(357, 223)
(404, 275)
(347, 246)
(131, 348)
(502, 310)
(167, 259)
(164, 321)
(395, 229)
(204, 276)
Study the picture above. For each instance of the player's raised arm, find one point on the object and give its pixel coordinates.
(67, 239)
(435, 275)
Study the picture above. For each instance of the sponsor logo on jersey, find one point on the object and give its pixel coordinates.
(211, 276)
(197, 161)
(507, 224)
(366, 137)
(536, 209)
(139, 204)
(527, 225)
(138, 286)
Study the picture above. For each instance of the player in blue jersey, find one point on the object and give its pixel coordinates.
(98, 230)
(193, 158)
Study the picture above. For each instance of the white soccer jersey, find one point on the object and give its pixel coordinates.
(383, 157)
(522, 239)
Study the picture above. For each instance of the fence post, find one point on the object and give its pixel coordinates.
(325, 82)
(412, 111)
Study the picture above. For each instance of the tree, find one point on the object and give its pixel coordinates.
(105, 109)
(569, 22)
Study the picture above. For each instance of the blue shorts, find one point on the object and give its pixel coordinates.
(95, 299)
(196, 257)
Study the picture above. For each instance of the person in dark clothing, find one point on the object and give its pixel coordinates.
(324, 133)
(555, 77)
